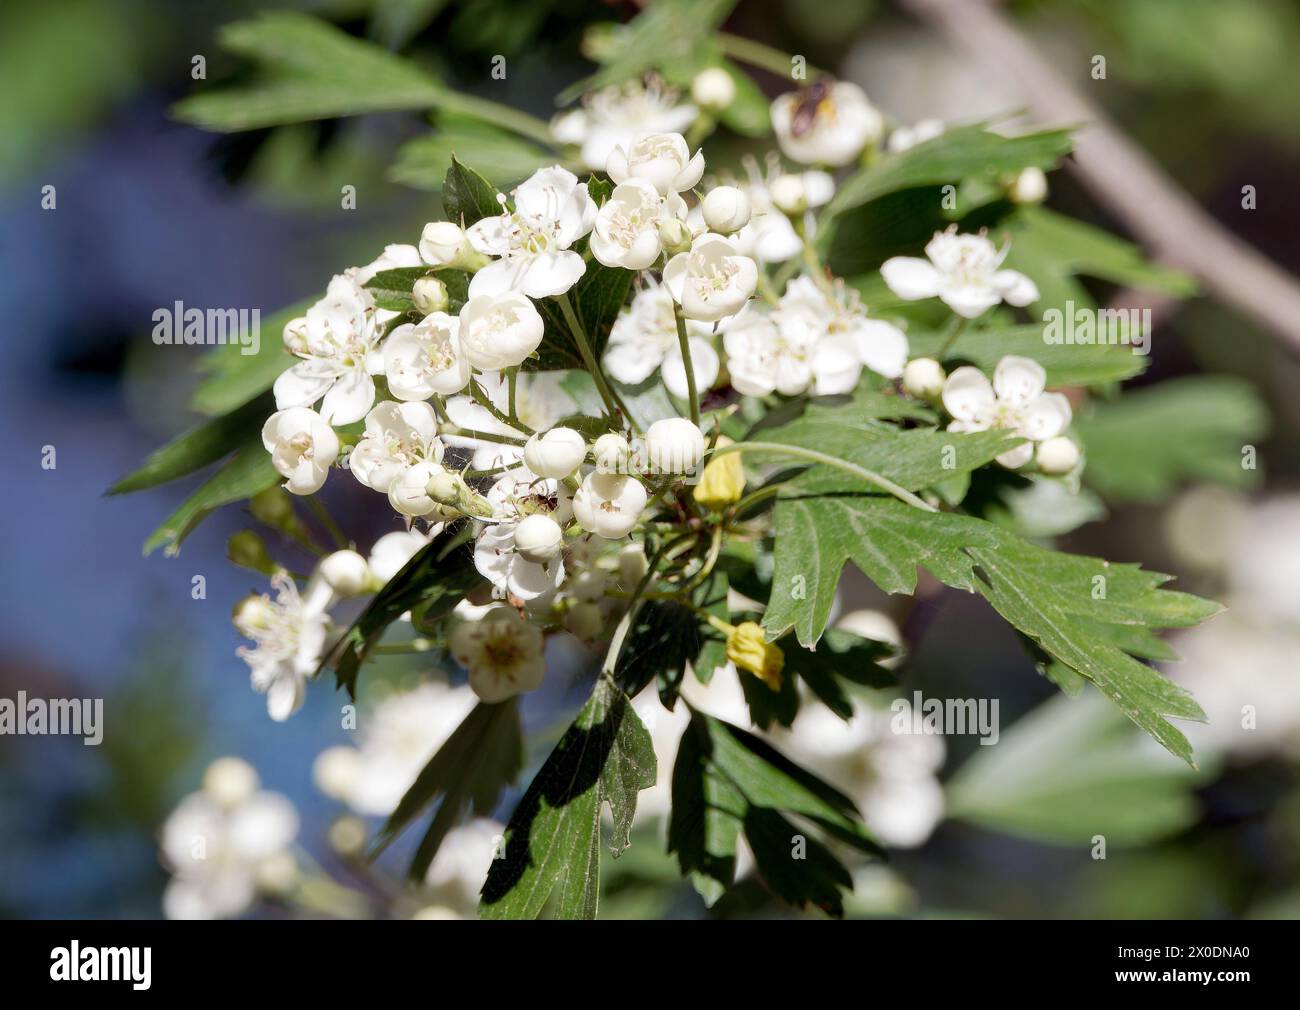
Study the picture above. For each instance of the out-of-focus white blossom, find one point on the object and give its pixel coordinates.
(826, 124)
(502, 653)
(617, 115)
(1014, 401)
(962, 270)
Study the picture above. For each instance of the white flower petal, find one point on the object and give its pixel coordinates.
(911, 278)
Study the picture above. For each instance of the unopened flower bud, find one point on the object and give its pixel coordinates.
(347, 835)
(749, 649)
(441, 243)
(674, 445)
(789, 194)
(274, 508)
(1058, 455)
(277, 874)
(924, 378)
(430, 295)
(230, 781)
(722, 482)
(555, 453)
(713, 89)
(1030, 186)
(674, 236)
(538, 538)
(584, 620)
(726, 209)
(612, 453)
(632, 565)
(346, 572)
(247, 550)
(444, 488)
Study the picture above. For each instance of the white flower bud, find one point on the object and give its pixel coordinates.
(632, 565)
(230, 781)
(277, 874)
(430, 295)
(1058, 455)
(609, 504)
(336, 771)
(789, 194)
(675, 236)
(1030, 186)
(441, 243)
(498, 332)
(347, 835)
(726, 209)
(538, 538)
(924, 378)
(612, 453)
(713, 89)
(345, 572)
(674, 445)
(444, 488)
(584, 620)
(555, 453)
(409, 495)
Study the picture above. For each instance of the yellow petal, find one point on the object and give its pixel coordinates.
(722, 482)
(750, 650)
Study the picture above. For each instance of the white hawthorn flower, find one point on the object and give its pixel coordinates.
(674, 445)
(644, 338)
(763, 357)
(609, 504)
(555, 453)
(302, 447)
(835, 323)
(217, 850)
(337, 344)
(619, 114)
(661, 159)
(1014, 401)
(397, 436)
(826, 124)
(514, 497)
(289, 635)
(392, 551)
(502, 653)
(424, 358)
(962, 270)
(499, 331)
(396, 740)
(726, 209)
(711, 281)
(626, 233)
(552, 211)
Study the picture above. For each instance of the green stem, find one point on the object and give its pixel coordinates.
(481, 398)
(456, 430)
(952, 337)
(756, 54)
(754, 497)
(798, 452)
(512, 378)
(684, 342)
(502, 115)
(612, 403)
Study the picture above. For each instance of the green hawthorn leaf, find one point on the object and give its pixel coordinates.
(726, 780)
(469, 773)
(234, 378)
(915, 458)
(552, 843)
(198, 447)
(430, 584)
(959, 154)
(391, 289)
(466, 196)
(248, 472)
(310, 70)
(1143, 446)
(1069, 605)
(1070, 770)
(1065, 364)
(840, 655)
(596, 298)
(504, 157)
